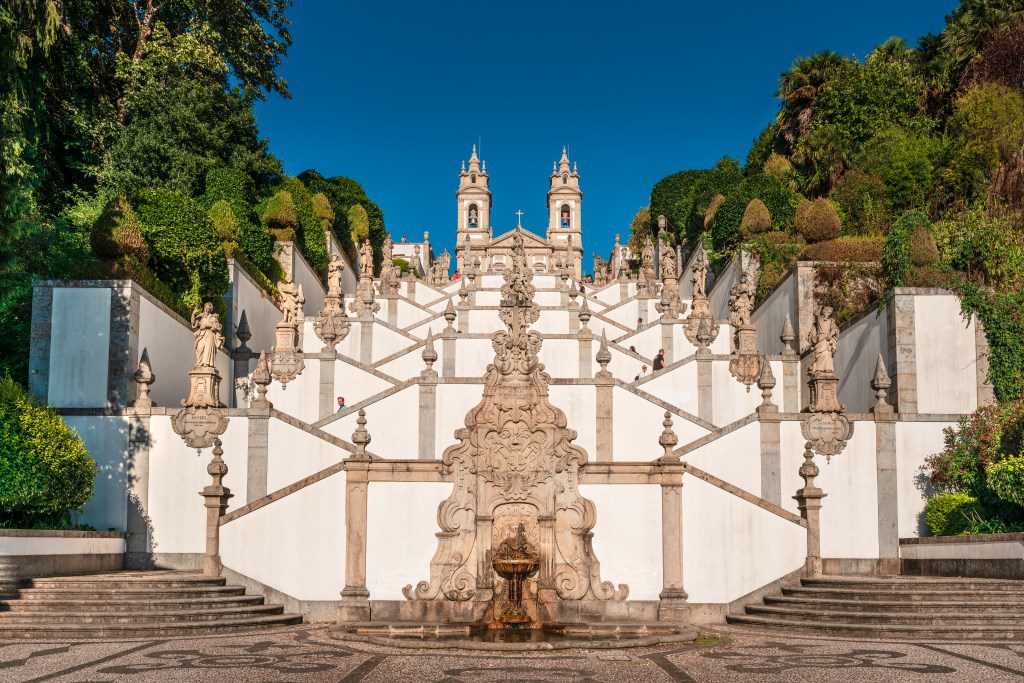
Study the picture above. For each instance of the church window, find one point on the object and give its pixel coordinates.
(565, 179)
(565, 216)
(472, 178)
(473, 216)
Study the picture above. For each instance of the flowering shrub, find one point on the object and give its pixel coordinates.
(984, 458)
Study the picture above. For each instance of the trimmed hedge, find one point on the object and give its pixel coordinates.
(950, 514)
(236, 188)
(45, 469)
(756, 219)
(817, 221)
(118, 233)
(310, 234)
(777, 197)
(279, 216)
(847, 249)
(186, 252)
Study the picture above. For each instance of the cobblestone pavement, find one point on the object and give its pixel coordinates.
(306, 653)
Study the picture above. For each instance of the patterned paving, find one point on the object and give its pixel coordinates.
(305, 653)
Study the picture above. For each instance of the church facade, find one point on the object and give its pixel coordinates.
(478, 246)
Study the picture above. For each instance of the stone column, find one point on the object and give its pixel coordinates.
(667, 338)
(902, 351)
(808, 500)
(463, 319)
(705, 388)
(771, 458)
(215, 497)
(586, 339)
(365, 339)
(672, 599)
(39, 342)
(258, 455)
(885, 472)
(428, 417)
(137, 549)
(448, 348)
(392, 311)
(125, 308)
(355, 598)
(328, 402)
(986, 393)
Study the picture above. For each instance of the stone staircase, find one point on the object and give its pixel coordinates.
(909, 607)
(133, 605)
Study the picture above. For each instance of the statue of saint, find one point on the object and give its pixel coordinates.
(741, 301)
(387, 249)
(700, 274)
(291, 299)
(366, 259)
(334, 269)
(668, 262)
(206, 328)
(823, 338)
(647, 257)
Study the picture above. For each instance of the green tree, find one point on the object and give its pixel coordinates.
(903, 162)
(986, 130)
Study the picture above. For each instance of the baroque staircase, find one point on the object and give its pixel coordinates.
(133, 604)
(910, 607)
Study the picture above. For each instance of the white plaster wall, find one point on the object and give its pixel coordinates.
(79, 340)
(597, 326)
(551, 322)
(647, 342)
(677, 386)
(548, 298)
(579, 405)
(428, 325)
(410, 364)
(488, 298)
(401, 523)
(312, 289)
(453, 401)
(55, 545)
(106, 439)
(856, 356)
(609, 294)
(718, 296)
(484, 322)
(300, 398)
(260, 310)
(770, 316)
(264, 545)
(730, 399)
(561, 357)
(293, 454)
(407, 313)
(946, 356)
(732, 547)
(355, 384)
(401, 408)
(637, 426)
(849, 515)
(472, 356)
(995, 550)
(791, 449)
(915, 441)
(176, 475)
(624, 314)
(628, 546)
(735, 458)
(387, 342)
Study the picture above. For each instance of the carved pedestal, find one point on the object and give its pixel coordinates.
(287, 363)
(746, 364)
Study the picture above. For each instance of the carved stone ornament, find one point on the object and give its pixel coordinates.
(439, 271)
(514, 465)
(389, 282)
(671, 305)
(365, 301)
(287, 362)
(331, 325)
(700, 307)
(144, 377)
(827, 432)
(823, 339)
(745, 365)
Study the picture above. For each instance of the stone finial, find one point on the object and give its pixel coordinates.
(766, 382)
(261, 378)
(573, 293)
(243, 334)
(704, 334)
(429, 356)
(880, 383)
(584, 313)
(215, 500)
(668, 440)
(144, 377)
(604, 356)
(463, 291)
(361, 437)
(449, 314)
(788, 336)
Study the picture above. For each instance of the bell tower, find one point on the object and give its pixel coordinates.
(473, 199)
(565, 201)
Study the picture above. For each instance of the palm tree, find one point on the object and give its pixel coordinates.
(798, 89)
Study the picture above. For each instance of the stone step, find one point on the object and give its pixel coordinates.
(134, 593)
(34, 631)
(88, 583)
(909, 594)
(887, 631)
(928, 583)
(827, 604)
(139, 605)
(1005, 618)
(11, 619)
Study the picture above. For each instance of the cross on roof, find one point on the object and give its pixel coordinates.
(519, 221)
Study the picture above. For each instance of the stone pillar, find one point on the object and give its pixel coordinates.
(641, 308)
(355, 598)
(258, 455)
(791, 384)
(902, 351)
(667, 339)
(986, 394)
(771, 458)
(448, 348)
(604, 422)
(39, 342)
(888, 492)
(672, 599)
(428, 417)
(705, 389)
(586, 338)
(808, 500)
(392, 311)
(137, 550)
(365, 339)
(463, 319)
(328, 402)
(215, 497)
(623, 290)
(125, 307)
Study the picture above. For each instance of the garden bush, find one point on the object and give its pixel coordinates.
(225, 222)
(756, 219)
(117, 232)
(860, 197)
(709, 215)
(279, 216)
(851, 249)
(359, 224)
(781, 168)
(923, 251)
(950, 514)
(817, 221)
(896, 252)
(186, 252)
(256, 242)
(45, 469)
(903, 162)
(310, 233)
(402, 263)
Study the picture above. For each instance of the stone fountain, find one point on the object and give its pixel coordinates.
(515, 560)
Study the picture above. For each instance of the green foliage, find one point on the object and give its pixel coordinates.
(322, 207)
(777, 252)
(686, 197)
(777, 197)
(279, 216)
(640, 229)
(45, 469)
(987, 245)
(896, 252)
(756, 219)
(309, 234)
(762, 149)
(817, 221)
(118, 233)
(847, 287)
(848, 249)
(225, 222)
(949, 514)
(903, 162)
(986, 130)
(1006, 478)
(861, 199)
(359, 224)
(402, 263)
(237, 189)
(781, 168)
(343, 194)
(1000, 313)
(186, 251)
(923, 251)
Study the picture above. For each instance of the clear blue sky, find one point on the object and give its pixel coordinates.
(394, 93)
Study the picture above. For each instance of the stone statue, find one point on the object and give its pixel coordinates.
(206, 328)
(823, 338)
(700, 273)
(334, 268)
(668, 262)
(366, 259)
(741, 301)
(291, 299)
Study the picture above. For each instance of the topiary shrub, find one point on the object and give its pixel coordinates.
(225, 222)
(279, 216)
(118, 233)
(817, 221)
(310, 233)
(756, 219)
(186, 251)
(709, 215)
(923, 251)
(358, 223)
(324, 211)
(256, 242)
(779, 167)
(950, 514)
(849, 249)
(45, 469)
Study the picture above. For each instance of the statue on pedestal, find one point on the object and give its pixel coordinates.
(200, 420)
(292, 299)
